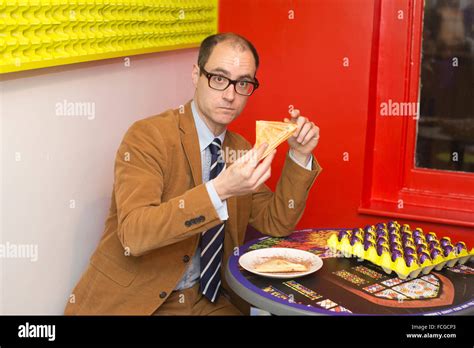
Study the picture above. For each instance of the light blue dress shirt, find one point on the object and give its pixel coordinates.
(193, 271)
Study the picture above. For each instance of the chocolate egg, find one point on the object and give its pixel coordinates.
(409, 251)
(445, 241)
(396, 254)
(406, 236)
(382, 240)
(381, 225)
(394, 238)
(447, 249)
(392, 224)
(418, 240)
(381, 249)
(433, 244)
(434, 253)
(368, 244)
(421, 248)
(409, 243)
(341, 234)
(369, 228)
(409, 260)
(460, 246)
(395, 246)
(355, 239)
(423, 256)
(431, 236)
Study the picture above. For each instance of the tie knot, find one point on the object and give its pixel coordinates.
(215, 146)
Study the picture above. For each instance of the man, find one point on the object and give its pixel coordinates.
(179, 211)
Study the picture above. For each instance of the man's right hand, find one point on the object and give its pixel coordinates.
(245, 175)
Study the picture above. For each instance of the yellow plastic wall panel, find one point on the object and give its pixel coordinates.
(40, 33)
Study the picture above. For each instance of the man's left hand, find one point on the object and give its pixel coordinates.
(304, 139)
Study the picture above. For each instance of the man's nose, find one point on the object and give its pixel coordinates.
(229, 93)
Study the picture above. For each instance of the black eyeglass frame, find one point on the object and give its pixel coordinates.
(208, 75)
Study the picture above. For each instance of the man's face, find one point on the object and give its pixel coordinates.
(222, 107)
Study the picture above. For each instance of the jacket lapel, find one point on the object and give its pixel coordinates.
(190, 141)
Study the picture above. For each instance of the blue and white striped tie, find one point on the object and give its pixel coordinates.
(212, 240)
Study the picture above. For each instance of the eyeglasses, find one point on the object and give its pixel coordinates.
(220, 83)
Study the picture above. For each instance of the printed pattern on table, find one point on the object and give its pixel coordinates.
(463, 269)
(312, 241)
(374, 288)
(275, 292)
(303, 290)
(354, 279)
(431, 278)
(417, 289)
(391, 295)
(326, 304)
(368, 272)
(392, 282)
(340, 309)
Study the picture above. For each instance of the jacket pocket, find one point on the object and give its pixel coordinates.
(111, 269)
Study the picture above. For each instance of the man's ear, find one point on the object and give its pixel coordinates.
(195, 75)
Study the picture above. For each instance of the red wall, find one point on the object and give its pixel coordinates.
(302, 65)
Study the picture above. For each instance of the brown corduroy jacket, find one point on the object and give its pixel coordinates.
(159, 208)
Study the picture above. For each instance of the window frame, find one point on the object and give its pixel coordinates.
(392, 185)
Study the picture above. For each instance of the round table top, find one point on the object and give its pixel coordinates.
(347, 286)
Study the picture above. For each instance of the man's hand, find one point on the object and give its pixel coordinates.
(245, 175)
(304, 139)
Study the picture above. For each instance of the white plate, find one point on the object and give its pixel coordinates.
(255, 257)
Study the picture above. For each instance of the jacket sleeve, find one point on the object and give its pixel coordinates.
(145, 222)
(277, 213)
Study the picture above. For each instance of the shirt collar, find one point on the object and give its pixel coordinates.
(204, 133)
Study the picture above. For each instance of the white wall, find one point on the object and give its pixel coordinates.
(66, 158)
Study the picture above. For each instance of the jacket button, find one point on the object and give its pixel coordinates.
(186, 258)
(163, 294)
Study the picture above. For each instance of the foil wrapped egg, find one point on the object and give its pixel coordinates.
(433, 244)
(368, 244)
(421, 248)
(354, 239)
(445, 241)
(342, 234)
(431, 236)
(418, 240)
(435, 252)
(448, 249)
(460, 246)
(382, 249)
(382, 240)
(423, 256)
(394, 238)
(396, 254)
(369, 228)
(409, 260)
(409, 250)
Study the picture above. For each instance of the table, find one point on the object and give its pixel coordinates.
(347, 286)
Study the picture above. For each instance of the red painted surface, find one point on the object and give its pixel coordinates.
(444, 196)
(302, 65)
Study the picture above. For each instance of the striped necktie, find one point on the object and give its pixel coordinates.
(212, 240)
